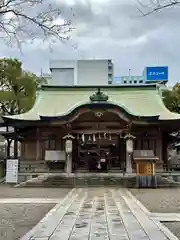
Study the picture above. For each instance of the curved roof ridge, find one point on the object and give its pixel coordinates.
(142, 102)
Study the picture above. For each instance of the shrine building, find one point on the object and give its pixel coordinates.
(97, 121)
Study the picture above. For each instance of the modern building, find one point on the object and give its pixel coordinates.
(151, 74)
(129, 80)
(80, 72)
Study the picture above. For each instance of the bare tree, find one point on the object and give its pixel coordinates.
(25, 20)
(150, 6)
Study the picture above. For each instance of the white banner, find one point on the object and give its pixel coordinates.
(12, 170)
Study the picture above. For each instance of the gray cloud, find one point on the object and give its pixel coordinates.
(112, 29)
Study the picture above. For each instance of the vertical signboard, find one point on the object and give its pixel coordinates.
(11, 170)
(153, 74)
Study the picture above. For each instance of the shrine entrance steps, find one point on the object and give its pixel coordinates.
(90, 180)
(81, 180)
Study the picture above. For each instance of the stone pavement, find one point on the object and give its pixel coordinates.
(99, 213)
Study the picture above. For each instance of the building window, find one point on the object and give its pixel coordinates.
(130, 81)
(141, 81)
(135, 81)
(125, 82)
(109, 82)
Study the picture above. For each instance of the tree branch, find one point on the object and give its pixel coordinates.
(155, 6)
(21, 20)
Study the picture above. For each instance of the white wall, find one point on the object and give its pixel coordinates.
(80, 72)
(92, 72)
(62, 77)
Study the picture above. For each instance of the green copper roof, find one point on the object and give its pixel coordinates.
(141, 101)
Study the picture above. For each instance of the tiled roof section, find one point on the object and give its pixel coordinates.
(144, 102)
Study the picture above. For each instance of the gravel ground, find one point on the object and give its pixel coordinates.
(174, 227)
(159, 200)
(17, 219)
(11, 192)
(162, 201)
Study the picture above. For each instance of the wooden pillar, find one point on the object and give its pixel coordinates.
(128, 163)
(15, 148)
(69, 163)
(165, 148)
(37, 145)
(23, 150)
(159, 146)
(8, 147)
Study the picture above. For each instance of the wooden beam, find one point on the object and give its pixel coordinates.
(85, 124)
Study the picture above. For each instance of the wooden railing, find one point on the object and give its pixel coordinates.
(29, 166)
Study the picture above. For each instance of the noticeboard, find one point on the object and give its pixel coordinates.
(12, 170)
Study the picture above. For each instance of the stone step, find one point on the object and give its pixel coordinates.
(59, 181)
(92, 181)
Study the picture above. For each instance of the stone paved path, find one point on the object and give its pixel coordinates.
(103, 214)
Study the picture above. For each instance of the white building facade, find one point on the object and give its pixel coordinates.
(81, 72)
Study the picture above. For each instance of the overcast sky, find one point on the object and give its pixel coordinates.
(115, 30)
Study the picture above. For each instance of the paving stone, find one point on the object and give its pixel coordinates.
(65, 227)
(99, 226)
(99, 214)
(131, 223)
(83, 222)
(147, 224)
(47, 228)
(115, 223)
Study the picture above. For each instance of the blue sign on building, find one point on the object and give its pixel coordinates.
(156, 73)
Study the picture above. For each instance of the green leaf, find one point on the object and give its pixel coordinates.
(18, 87)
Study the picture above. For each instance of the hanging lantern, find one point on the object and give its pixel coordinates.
(129, 145)
(68, 146)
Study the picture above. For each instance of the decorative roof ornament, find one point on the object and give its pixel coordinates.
(129, 136)
(68, 136)
(99, 96)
